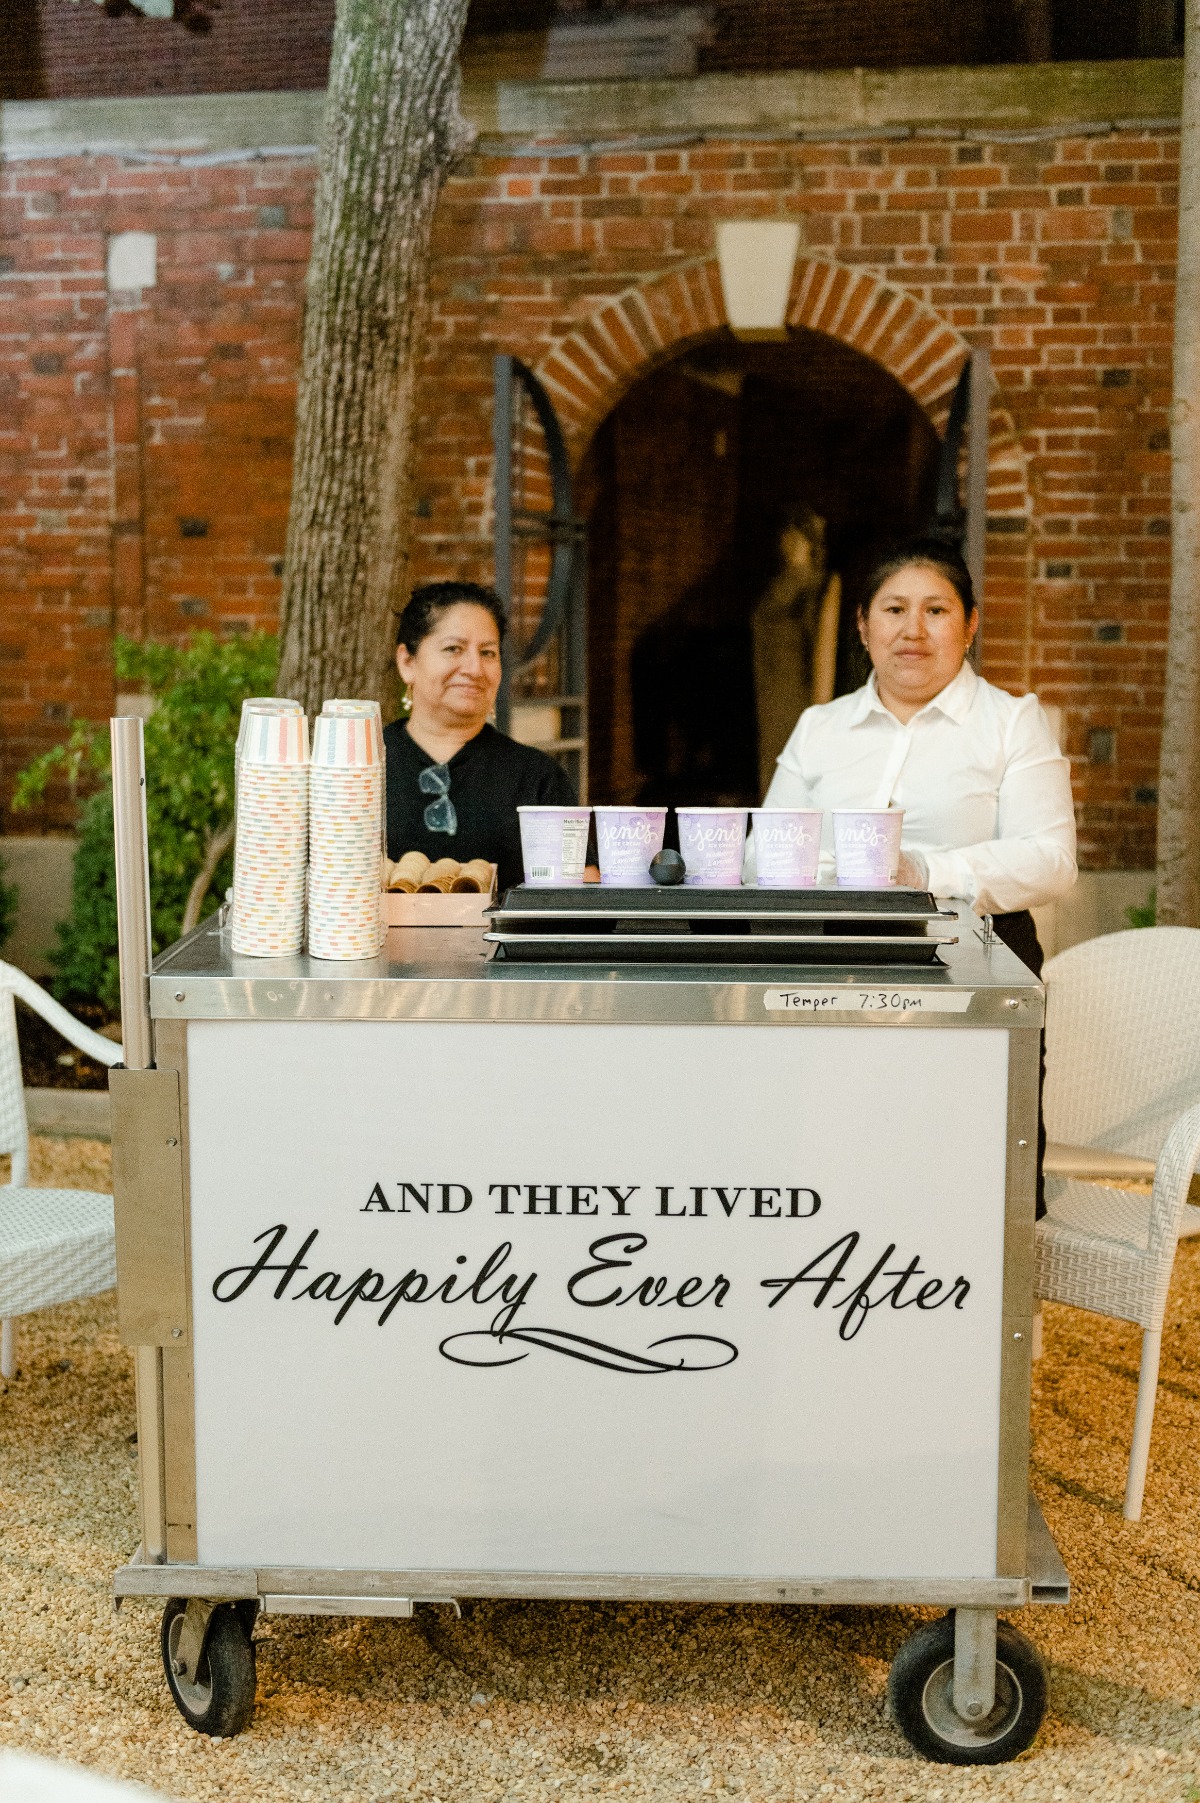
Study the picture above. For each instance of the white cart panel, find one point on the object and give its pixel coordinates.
(729, 1427)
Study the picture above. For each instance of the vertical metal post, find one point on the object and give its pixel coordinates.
(576, 659)
(133, 889)
(975, 535)
(502, 522)
(974, 1663)
(133, 944)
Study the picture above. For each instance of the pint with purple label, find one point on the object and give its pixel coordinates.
(553, 845)
(712, 841)
(866, 846)
(787, 847)
(627, 839)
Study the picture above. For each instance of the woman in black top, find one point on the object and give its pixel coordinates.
(453, 782)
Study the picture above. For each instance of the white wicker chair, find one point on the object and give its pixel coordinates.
(1122, 1077)
(55, 1244)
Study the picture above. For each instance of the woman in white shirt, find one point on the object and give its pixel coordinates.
(985, 790)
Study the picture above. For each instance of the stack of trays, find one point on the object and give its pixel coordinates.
(856, 927)
(345, 894)
(271, 839)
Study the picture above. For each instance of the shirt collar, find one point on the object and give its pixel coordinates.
(954, 700)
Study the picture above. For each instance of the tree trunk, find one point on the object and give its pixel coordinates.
(392, 129)
(1179, 762)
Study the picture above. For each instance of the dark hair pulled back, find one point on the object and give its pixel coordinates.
(928, 554)
(427, 604)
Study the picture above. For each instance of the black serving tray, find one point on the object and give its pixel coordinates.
(681, 925)
(594, 899)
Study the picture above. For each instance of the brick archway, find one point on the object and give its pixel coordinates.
(590, 369)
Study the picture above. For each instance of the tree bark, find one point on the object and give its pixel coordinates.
(392, 129)
(1179, 762)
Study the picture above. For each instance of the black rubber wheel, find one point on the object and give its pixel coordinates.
(921, 1694)
(220, 1700)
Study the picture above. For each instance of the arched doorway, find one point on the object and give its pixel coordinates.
(687, 485)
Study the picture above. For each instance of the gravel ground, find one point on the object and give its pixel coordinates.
(537, 1701)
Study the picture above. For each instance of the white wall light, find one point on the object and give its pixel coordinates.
(756, 259)
(132, 261)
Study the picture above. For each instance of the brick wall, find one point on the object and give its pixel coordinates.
(57, 49)
(1056, 253)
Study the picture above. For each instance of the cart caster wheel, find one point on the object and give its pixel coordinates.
(921, 1693)
(219, 1699)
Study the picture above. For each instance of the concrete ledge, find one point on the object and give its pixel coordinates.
(69, 1113)
(1019, 97)
(40, 865)
(818, 103)
(180, 122)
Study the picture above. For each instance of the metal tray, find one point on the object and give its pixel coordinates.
(627, 948)
(719, 926)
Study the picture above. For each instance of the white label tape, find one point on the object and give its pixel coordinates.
(867, 1001)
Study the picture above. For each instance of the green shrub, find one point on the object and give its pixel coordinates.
(1146, 916)
(190, 739)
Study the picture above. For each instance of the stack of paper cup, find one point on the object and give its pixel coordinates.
(367, 710)
(345, 893)
(271, 840)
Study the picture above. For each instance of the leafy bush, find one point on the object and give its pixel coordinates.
(1146, 916)
(190, 739)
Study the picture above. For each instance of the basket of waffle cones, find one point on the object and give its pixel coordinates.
(441, 892)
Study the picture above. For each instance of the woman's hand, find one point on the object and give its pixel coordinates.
(912, 872)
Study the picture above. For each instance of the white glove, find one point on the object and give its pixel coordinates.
(912, 871)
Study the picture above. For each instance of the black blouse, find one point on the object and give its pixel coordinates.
(489, 779)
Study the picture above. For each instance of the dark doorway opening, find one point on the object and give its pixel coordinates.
(688, 487)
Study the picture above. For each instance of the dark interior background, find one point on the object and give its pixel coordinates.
(683, 487)
(61, 49)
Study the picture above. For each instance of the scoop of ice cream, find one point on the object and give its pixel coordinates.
(667, 867)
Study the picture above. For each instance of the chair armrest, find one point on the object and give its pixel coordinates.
(1089, 1163)
(104, 1051)
(1173, 1177)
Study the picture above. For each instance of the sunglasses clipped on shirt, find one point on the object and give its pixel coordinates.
(440, 816)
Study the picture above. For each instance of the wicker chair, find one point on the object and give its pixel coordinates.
(1122, 1078)
(55, 1244)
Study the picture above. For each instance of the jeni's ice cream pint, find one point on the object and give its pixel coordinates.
(866, 846)
(553, 845)
(627, 839)
(712, 841)
(787, 847)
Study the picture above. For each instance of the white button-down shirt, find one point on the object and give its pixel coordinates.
(985, 790)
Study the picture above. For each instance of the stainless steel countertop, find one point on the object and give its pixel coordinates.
(429, 973)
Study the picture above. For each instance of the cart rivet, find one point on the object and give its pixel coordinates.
(1012, 1002)
(177, 1333)
(1023, 1143)
(1018, 1336)
(179, 994)
(172, 1142)
(974, 1709)
(178, 1667)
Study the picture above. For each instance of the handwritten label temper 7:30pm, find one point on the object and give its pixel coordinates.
(856, 1000)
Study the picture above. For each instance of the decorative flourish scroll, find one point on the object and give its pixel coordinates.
(697, 1351)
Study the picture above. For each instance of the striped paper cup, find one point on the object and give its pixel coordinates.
(273, 739)
(359, 710)
(342, 741)
(264, 704)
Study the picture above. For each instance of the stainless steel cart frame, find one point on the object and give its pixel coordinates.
(427, 977)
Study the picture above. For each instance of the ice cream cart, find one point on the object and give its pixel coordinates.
(660, 1248)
